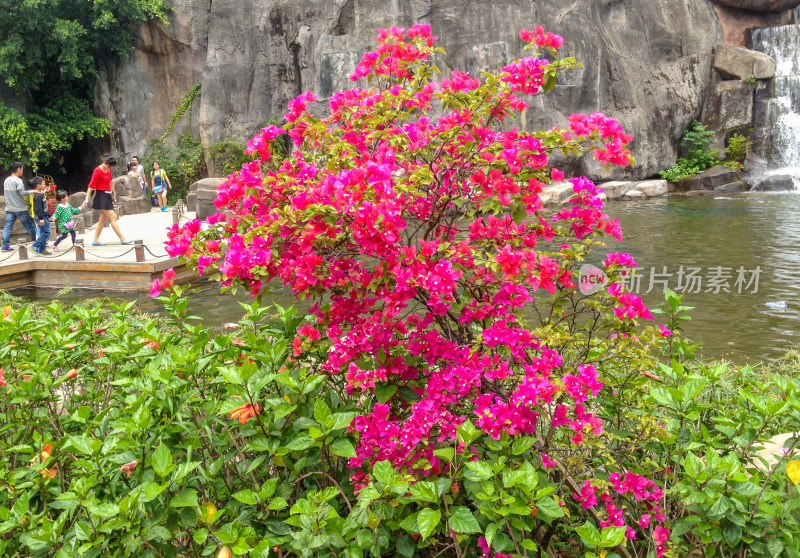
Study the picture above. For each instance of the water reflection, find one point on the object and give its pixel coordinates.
(750, 232)
(746, 231)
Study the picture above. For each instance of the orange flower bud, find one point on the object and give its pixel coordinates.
(224, 553)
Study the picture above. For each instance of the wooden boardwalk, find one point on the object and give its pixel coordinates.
(113, 267)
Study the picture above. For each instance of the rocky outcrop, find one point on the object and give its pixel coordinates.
(777, 182)
(202, 195)
(728, 108)
(735, 22)
(734, 62)
(646, 63)
(715, 179)
(631, 190)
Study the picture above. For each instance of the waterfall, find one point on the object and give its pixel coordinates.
(776, 114)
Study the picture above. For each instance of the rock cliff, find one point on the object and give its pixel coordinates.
(647, 63)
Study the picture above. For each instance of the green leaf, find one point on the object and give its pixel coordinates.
(409, 523)
(478, 471)
(343, 448)
(322, 413)
(612, 536)
(467, 433)
(384, 391)
(775, 546)
(300, 443)
(246, 497)
(491, 531)
(383, 472)
(103, 510)
(589, 535)
(732, 533)
(445, 453)
(79, 443)
(200, 536)
(427, 520)
(717, 511)
(186, 499)
(662, 396)
(693, 388)
(462, 521)
(549, 507)
(277, 503)
(161, 461)
(424, 491)
(406, 546)
(151, 491)
(521, 445)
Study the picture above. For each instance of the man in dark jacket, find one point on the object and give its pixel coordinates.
(41, 215)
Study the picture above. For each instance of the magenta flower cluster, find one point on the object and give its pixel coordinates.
(421, 240)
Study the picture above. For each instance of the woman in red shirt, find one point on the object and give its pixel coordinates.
(104, 199)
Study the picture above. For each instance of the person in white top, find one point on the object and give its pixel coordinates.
(140, 173)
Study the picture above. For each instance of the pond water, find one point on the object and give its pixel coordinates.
(736, 259)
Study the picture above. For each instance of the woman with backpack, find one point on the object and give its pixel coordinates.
(160, 181)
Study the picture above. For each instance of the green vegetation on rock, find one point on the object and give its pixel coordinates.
(49, 53)
(698, 155)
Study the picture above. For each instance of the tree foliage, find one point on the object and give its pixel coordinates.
(49, 51)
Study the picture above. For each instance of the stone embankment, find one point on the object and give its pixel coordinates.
(557, 193)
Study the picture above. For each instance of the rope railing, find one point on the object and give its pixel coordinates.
(22, 251)
(10, 255)
(125, 253)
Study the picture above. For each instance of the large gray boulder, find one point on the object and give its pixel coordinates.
(631, 190)
(646, 63)
(733, 62)
(205, 192)
(728, 107)
(128, 186)
(711, 179)
(777, 182)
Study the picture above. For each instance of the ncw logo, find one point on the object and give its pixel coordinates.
(591, 279)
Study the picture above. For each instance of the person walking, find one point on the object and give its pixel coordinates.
(140, 173)
(103, 200)
(63, 216)
(160, 183)
(41, 215)
(16, 208)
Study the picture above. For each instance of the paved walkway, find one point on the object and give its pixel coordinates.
(151, 228)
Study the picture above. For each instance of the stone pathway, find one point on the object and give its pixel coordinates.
(150, 228)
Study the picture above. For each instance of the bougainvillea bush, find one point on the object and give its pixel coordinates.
(446, 302)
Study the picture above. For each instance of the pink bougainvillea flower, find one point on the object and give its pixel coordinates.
(155, 288)
(660, 536)
(664, 331)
